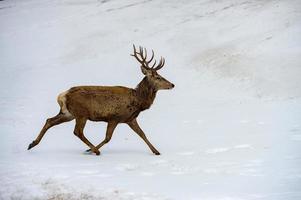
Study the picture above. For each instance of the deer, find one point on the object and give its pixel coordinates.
(111, 104)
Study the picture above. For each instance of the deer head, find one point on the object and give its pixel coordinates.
(150, 70)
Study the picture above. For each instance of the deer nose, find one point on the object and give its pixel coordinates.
(172, 85)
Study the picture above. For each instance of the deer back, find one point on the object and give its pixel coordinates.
(102, 103)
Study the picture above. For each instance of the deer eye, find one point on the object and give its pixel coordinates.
(158, 78)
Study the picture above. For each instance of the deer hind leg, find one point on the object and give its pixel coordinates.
(135, 127)
(78, 131)
(58, 119)
(63, 116)
(110, 129)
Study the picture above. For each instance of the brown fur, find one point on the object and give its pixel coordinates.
(112, 104)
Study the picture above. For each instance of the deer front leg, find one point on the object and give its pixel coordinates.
(78, 131)
(135, 126)
(110, 129)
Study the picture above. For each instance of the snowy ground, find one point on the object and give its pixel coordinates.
(231, 129)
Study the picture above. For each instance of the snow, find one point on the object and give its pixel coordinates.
(229, 130)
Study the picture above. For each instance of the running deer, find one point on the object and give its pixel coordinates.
(112, 104)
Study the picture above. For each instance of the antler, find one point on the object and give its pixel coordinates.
(141, 58)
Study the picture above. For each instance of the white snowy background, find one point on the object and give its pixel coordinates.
(230, 129)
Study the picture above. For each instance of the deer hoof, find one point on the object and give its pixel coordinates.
(157, 153)
(93, 151)
(31, 145)
(96, 152)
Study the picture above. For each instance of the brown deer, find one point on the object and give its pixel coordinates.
(112, 104)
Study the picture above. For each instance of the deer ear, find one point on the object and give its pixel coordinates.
(145, 71)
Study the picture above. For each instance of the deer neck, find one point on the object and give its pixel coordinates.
(146, 93)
